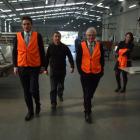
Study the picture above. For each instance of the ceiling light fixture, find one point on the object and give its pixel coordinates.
(46, 2)
(134, 5)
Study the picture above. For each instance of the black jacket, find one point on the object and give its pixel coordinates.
(40, 45)
(79, 59)
(56, 56)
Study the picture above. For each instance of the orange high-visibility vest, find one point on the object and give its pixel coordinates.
(28, 55)
(122, 59)
(91, 63)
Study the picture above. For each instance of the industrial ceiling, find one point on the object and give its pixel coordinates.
(64, 11)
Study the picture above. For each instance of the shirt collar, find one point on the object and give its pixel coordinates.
(25, 33)
(88, 43)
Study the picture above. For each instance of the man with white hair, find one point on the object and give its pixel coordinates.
(90, 65)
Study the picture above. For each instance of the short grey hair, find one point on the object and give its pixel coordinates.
(91, 30)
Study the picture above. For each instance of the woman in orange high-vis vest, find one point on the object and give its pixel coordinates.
(28, 58)
(90, 65)
(123, 60)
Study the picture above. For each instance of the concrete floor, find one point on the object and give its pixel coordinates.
(115, 117)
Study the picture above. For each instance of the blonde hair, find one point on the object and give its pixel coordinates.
(91, 30)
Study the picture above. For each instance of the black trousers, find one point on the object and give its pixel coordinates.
(89, 84)
(29, 78)
(57, 87)
(118, 73)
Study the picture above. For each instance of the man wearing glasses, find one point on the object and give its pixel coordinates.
(90, 65)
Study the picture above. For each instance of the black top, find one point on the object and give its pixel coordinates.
(56, 56)
(122, 45)
(40, 45)
(79, 59)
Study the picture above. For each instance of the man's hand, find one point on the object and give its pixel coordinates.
(46, 72)
(15, 70)
(72, 70)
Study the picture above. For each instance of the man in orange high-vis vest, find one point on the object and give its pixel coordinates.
(28, 60)
(90, 65)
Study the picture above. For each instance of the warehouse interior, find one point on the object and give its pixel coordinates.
(114, 116)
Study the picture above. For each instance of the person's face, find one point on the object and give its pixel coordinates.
(26, 25)
(56, 39)
(127, 38)
(90, 36)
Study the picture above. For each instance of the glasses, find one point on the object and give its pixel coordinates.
(90, 35)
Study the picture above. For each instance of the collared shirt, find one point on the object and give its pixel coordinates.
(27, 33)
(91, 46)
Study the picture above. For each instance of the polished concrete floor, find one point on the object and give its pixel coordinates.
(115, 117)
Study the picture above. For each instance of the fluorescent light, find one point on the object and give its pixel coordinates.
(20, 9)
(120, 0)
(46, 2)
(13, 1)
(8, 19)
(85, 13)
(68, 4)
(39, 7)
(29, 8)
(107, 7)
(100, 5)
(89, 3)
(134, 5)
(3, 16)
(23, 0)
(5, 11)
(12, 15)
(92, 15)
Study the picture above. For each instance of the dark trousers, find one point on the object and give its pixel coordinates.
(57, 87)
(29, 78)
(118, 73)
(89, 85)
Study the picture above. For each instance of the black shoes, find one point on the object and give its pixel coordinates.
(123, 91)
(117, 90)
(88, 118)
(29, 116)
(37, 111)
(53, 106)
(120, 90)
(60, 98)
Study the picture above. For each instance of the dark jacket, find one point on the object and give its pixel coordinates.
(56, 56)
(79, 60)
(41, 50)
